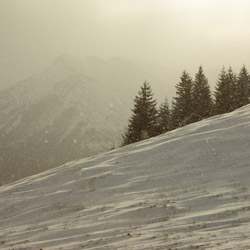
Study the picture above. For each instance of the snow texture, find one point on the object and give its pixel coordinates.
(187, 189)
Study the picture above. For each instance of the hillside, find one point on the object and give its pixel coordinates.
(187, 189)
(73, 109)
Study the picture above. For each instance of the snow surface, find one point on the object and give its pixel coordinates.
(187, 189)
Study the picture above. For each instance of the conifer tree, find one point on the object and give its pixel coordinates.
(225, 92)
(143, 123)
(242, 88)
(232, 81)
(182, 104)
(164, 117)
(202, 100)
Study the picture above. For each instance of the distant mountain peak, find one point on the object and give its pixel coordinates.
(64, 58)
(67, 62)
(94, 61)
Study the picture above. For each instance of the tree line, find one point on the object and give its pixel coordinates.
(193, 102)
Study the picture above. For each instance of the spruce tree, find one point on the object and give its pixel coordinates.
(182, 107)
(225, 92)
(232, 81)
(164, 117)
(143, 123)
(202, 100)
(242, 88)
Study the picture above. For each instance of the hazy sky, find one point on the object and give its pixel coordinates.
(176, 33)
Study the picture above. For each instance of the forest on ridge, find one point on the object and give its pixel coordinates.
(193, 102)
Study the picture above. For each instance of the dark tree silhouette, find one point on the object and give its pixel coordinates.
(182, 107)
(164, 117)
(225, 92)
(242, 88)
(201, 95)
(143, 123)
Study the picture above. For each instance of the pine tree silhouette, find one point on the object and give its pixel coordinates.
(143, 123)
(225, 92)
(242, 88)
(164, 117)
(182, 104)
(202, 100)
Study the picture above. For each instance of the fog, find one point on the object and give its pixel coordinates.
(177, 34)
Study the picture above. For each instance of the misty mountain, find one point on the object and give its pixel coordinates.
(186, 189)
(73, 109)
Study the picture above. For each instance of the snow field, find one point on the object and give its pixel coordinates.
(187, 189)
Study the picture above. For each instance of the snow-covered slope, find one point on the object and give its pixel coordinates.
(71, 110)
(187, 189)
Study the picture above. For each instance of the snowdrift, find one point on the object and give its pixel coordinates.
(187, 189)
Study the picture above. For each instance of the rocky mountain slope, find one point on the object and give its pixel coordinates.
(187, 189)
(71, 110)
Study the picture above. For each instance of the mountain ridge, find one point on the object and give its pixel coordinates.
(71, 110)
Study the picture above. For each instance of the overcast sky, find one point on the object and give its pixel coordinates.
(176, 33)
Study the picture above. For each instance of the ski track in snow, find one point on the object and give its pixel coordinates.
(187, 189)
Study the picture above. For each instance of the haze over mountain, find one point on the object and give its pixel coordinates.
(177, 34)
(75, 108)
(186, 189)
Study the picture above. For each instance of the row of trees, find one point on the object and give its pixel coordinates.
(193, 102)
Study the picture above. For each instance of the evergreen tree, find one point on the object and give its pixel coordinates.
(242, 88)
(143, 123)
(232, 81)
(225, 92)
(182, 104)
(164, 117)
(202, 100)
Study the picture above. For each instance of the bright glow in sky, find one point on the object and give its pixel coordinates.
(176, 33)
